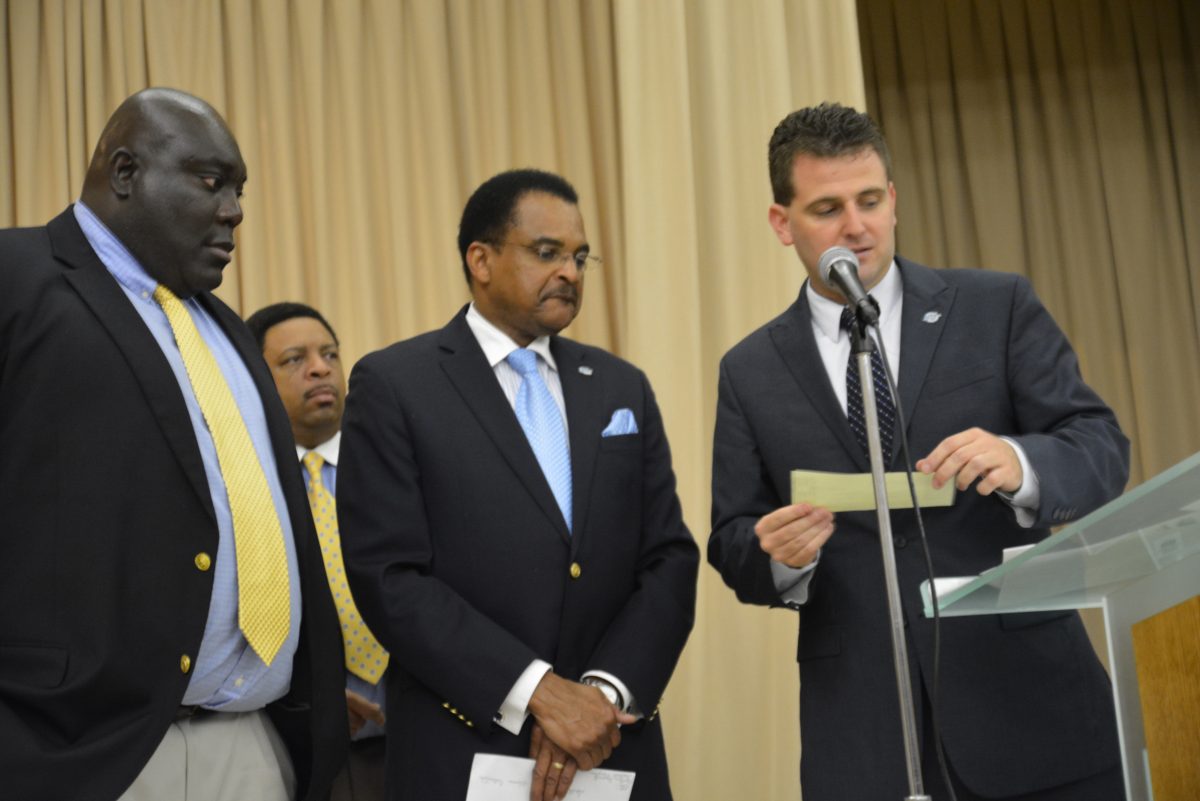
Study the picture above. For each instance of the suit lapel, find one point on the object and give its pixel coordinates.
(473, 378)
(927, 302)
(585, 415)
(99, 290)
(793, 338)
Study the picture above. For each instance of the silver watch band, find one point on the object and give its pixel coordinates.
(610, 692)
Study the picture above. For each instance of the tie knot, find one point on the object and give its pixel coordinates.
(164, 296)
(523, 360)
(847, 318)
(313, 462)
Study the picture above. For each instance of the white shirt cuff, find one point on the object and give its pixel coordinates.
(792, 582)
(1028, 497)
(515, 709)
(630, 702)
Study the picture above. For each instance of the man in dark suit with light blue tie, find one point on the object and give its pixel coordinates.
(994, 401)
(510, 523)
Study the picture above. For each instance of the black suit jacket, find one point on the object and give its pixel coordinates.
(106, 507)
(1025, 703)
(462, 565)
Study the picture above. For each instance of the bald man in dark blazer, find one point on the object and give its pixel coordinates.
(118, 609)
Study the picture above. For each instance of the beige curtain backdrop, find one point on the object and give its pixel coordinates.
(1056, 139)
(365, 124)
(1060, 139)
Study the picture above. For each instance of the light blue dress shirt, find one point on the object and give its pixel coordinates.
(227, 675)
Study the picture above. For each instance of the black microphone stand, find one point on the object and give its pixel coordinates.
(861, 347)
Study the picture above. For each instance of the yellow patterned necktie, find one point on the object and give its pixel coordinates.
(264, 602)
(365, 657)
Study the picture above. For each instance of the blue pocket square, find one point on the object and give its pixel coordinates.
(622, 422)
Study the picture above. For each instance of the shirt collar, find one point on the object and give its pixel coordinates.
(497, 345)
(827, 314)
(329, 449)
(121, 264)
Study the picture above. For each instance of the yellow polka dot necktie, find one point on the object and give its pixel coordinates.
(264, 602)
(365, 657)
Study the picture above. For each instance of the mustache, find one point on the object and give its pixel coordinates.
(567, 293)
(320, 389)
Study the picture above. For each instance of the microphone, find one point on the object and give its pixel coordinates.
(839, 269)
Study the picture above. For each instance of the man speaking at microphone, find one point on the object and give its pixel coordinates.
(993, 401)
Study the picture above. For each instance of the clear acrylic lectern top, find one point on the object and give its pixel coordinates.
(1141, 533)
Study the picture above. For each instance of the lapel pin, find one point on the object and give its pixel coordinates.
(931, 317)
(585, 370)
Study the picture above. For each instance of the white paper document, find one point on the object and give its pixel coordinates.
(503, 778)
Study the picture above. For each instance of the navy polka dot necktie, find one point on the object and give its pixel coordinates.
(883, 399)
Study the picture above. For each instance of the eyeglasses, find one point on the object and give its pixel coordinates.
(551, 255)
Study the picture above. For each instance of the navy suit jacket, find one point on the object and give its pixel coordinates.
(106, 507)
(461, 561)
(1025, 703)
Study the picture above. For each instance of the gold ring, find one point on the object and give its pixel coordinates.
(557, 765)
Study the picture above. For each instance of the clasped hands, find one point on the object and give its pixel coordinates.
(793, 535)
(575, 728)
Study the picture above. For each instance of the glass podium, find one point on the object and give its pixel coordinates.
(1133, 558)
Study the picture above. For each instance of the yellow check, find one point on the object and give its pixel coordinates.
(855, 492)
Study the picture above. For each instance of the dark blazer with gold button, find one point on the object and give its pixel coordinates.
(462, 565)
(1025, 703)
(109, 533)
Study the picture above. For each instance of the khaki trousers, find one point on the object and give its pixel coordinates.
(222, 756)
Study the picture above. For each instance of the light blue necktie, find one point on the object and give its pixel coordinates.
(539, 416)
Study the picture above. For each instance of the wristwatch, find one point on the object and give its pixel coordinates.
(610, 692)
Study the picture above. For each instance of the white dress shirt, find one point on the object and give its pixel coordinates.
(834, 346)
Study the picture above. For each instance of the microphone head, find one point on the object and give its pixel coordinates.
(832, 257)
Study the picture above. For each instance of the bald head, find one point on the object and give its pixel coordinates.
(166, 178)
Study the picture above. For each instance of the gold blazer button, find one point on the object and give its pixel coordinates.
(185, 663)
(203, 561)
(576, 570)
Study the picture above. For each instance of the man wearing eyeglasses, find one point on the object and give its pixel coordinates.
(510, 524)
